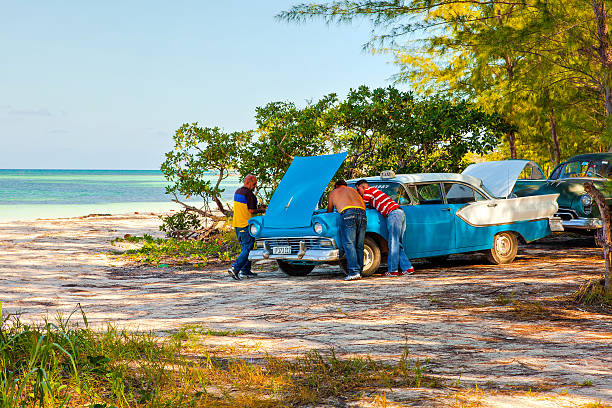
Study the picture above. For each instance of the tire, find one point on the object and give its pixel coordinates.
(295, 269)
(371, 258)
(505, 247)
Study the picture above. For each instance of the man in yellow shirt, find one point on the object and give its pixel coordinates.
(245, 205)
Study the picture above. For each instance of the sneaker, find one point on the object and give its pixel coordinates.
(408, 271)
(248, 274)
(391, 274)
(233, 273)
(355, 276)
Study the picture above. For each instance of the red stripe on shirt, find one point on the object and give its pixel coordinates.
(379, 200)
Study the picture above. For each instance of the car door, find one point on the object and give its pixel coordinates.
(429, 221)
(457, 196)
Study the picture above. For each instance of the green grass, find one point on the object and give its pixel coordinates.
(170, 252)
(65, 364)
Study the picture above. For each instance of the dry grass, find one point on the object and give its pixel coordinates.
(593, 293)
(65, 364)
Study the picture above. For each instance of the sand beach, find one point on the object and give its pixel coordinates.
(450, 316)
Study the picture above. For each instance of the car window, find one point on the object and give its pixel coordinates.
(595, 168)
(531, 172)
(556, 172)
(461, 194)
(393, 190)
(599, 168)
(426, 193)
(573, 169)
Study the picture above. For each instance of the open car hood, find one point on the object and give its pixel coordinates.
(499, 177)
(298, 193)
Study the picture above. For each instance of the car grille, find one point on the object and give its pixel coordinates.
(294, 243)
(566, 215)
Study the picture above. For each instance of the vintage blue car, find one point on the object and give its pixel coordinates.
(445, 214)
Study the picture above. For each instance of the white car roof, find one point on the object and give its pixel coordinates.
(426, 178)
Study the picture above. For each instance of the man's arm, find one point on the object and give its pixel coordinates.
(330, 202)
(252, 204)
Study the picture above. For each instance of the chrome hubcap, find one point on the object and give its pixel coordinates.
(368, 257)
(503, 245)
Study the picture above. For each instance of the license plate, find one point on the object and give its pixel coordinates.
(281, 250)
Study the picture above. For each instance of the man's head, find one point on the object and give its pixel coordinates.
(361, 186)
(250, 182)
(339, 183)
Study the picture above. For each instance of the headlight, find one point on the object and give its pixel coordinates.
(318, 227)
(254, 229)
(586, 201)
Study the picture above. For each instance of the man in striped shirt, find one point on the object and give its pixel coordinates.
(396, 226)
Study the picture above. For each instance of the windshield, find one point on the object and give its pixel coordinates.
(394, 190)
(593, 168)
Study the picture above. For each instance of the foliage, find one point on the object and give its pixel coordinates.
(381, 128)
(169, 252)
(283, 132)
(543, 66)
(391, 129)
(179, 224)
(199, 153)
(65, 364)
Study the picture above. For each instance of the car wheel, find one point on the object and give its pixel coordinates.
(371, 258)
(295, 269)
(505, 247)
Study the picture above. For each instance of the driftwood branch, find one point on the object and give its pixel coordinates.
(606, 240)
(201, 212)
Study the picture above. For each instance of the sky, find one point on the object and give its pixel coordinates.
(104, 85)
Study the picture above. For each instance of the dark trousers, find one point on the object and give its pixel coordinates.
(352, 230)
(242, 263)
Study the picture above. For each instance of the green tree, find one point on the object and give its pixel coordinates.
(283, 132)
(201, 153)
(381, 128)
(385, 128)
(544, 66)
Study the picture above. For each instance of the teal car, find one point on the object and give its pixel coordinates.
(576, 208)
(446, 213)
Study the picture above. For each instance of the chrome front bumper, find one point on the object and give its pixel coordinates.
(318, 255)
(582, 223)
(555, 224)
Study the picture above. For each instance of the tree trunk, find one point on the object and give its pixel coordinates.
(553, 135)
(606, 239)
(512, 143)
(604, 51)
(216, 199)
(603, 36)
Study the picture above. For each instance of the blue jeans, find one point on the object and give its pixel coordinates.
(396, 226)
(243, 264)
(352, 232)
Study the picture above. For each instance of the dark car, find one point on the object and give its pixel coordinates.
(576, 208)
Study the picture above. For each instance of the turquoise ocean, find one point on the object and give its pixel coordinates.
(31, 194)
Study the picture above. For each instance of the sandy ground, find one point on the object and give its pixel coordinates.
(543, 353)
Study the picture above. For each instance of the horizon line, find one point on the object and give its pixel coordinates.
(82, 169)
